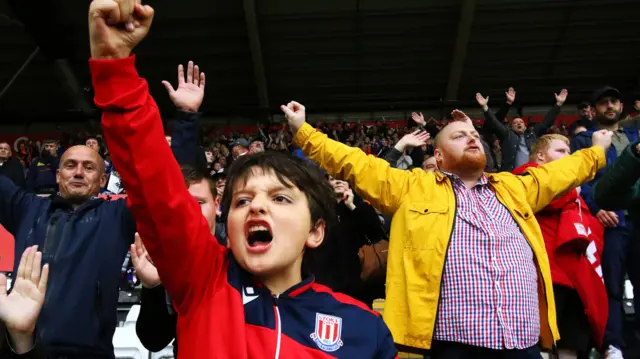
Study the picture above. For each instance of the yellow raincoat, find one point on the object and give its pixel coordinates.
(423, 205)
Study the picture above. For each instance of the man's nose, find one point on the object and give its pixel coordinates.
(78, 172)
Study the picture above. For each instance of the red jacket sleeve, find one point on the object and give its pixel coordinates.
(169, 219)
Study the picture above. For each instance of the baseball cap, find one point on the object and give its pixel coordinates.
(604, 91)
(239, 142)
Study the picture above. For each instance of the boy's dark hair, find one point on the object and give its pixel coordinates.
(291, 171)
(192, 175)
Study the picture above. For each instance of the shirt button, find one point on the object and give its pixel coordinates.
(494, 258)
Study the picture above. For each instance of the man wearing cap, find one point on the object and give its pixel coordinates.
(239, 147)
(606, 109)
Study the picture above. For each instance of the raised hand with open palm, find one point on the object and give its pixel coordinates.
(190, 92)
(145, 270)
(19, 310)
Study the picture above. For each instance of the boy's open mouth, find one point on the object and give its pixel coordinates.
(258, 234)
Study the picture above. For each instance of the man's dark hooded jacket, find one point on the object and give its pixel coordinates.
(85, 248)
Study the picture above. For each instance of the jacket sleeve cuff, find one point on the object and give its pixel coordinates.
(113, 81)
(28, 354)
(601, 156)
(303, 135)
(187, 115)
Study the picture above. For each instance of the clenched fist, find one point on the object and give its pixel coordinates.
(602, 138)
(295, 114)
(117, 26)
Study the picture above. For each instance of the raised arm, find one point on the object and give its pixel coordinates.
(373, 178)
(616, 189)
(542, 127)
(545, 183)
(187, 98)
(491, 123)
(410, 140)
(506, 106)
(169, 219)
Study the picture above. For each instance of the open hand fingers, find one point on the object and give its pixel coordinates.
(35, 268)
(196, 75)
(190, 72)
(44, 279)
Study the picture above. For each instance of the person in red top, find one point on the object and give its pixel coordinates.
(573, 238)
(255, 300)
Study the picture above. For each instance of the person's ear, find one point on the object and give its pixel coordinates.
(316, 235)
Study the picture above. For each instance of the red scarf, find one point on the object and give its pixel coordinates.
(574, 242)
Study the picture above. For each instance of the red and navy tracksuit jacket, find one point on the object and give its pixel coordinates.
(223, 313)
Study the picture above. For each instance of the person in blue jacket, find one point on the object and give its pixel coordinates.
(85, 240)
(606, 108)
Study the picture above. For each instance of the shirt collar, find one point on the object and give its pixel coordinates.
(455, 179)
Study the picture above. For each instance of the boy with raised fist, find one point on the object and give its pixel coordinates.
(256, 299)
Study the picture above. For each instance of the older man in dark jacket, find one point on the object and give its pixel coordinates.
(84, 239)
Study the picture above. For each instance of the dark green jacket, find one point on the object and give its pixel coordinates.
(619, 188)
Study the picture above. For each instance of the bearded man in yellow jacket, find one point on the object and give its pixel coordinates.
(468, 275)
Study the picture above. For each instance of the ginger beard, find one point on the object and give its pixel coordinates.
(472, 160)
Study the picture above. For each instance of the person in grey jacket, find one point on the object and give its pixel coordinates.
(516, 140)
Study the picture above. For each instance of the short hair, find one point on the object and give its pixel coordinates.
(543, 143)
(7, 142)
(583, 104)
(191, 176)
(436, 140)
(47, 141)
(292, 172)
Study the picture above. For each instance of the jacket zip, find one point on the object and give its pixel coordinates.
(278, 325)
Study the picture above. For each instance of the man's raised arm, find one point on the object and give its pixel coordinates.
(169, 219)
(545, 183)
(373, 178)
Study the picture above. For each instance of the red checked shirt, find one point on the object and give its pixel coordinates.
(489, 293)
